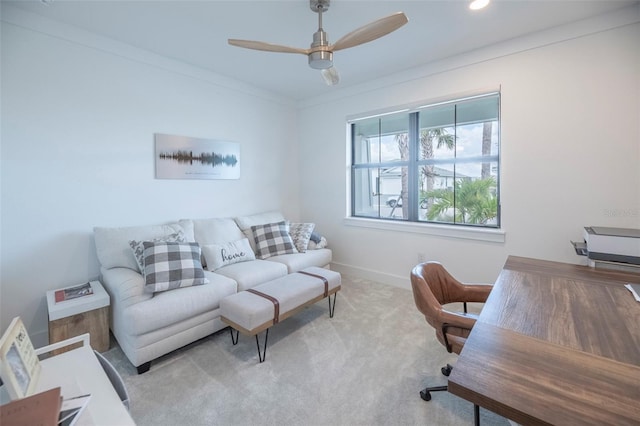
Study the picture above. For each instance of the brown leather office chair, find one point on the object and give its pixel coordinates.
(434, 287)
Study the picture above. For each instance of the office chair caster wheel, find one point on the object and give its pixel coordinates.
(425, 395)
(446, 370)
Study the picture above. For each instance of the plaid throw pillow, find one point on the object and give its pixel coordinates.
(170, 265)
(272, 239)
(138, 248)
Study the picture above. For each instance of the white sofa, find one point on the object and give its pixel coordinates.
(148, 324)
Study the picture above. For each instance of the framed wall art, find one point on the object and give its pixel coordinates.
(182, 157)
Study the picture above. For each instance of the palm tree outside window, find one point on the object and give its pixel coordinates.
(437, 163)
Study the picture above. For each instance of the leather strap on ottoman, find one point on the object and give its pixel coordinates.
(326, 283)
(276, 304)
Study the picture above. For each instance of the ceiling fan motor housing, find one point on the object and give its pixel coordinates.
(320, 56)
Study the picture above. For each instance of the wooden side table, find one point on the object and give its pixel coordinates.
(86, 314)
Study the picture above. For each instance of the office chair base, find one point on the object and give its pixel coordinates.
(425, 394)
(446, 370)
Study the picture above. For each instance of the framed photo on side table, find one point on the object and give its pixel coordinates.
(19, 364)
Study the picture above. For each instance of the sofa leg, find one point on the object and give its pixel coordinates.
(144, 367)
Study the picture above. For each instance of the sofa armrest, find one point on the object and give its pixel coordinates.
(125, 286)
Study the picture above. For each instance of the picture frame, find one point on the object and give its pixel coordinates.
(19, 364)
(183, 157)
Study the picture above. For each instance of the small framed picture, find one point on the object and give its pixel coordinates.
(19, 364)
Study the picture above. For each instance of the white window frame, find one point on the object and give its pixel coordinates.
(465, 231)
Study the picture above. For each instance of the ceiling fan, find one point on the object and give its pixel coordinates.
(320, 52)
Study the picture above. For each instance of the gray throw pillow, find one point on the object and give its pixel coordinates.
(138, 248)
(272, 239)
(171, 265)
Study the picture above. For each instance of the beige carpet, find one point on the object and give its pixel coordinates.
(365, 366)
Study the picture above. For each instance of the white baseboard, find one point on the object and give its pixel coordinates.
(369, 274)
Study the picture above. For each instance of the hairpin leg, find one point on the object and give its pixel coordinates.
(234, 340)
(332, 309)
(262, 356)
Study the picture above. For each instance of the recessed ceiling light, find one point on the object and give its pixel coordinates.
(478, 4)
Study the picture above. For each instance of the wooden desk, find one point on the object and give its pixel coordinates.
(555, 344)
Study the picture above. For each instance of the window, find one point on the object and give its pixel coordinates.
(436, 163)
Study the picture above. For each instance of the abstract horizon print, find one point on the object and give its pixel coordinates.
(183, 157)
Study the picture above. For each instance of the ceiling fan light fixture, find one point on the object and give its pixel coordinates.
(478, 4)
(321, 60)
(330, 76)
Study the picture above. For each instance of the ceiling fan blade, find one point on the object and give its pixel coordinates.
(330, 76)
(268, 47)
(371, 31)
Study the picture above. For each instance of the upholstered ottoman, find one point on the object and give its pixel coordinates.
(255, 310)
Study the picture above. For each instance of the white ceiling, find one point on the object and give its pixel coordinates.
(196, 32)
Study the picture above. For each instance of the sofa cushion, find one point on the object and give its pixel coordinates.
(246, 222)
(187, 228)
(112, 244)
(301, 234)
(250, 274)
(272, 239)
(171, 265)
(172, 307)
(216, 231)
(138, 247)
(299, 261)
(219, 255)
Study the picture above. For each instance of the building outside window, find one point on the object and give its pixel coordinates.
(437, 163)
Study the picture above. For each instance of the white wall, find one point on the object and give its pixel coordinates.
(570, 149)
(78, 118)
(79, 113)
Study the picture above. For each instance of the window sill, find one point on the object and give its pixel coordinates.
(462, 232)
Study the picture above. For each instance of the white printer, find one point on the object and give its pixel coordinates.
(601, 243)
